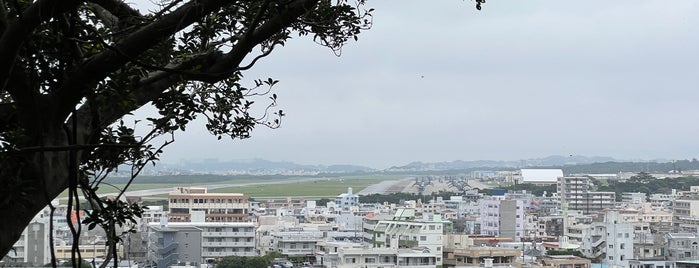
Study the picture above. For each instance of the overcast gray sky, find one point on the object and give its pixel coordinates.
(440, 81)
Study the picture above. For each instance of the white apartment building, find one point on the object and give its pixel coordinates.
(685, 214)
(611, 242)
(347, 200)
(352, 255)
(217, 207)
(502, 217)
(462, 207)
(296, 242)
(410, 234)
(663, 201)
(633, 198)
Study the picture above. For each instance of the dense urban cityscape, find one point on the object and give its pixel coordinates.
(457, 221)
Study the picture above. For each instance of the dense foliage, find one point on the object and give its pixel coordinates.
(72, 72)
(247, 262)
(616, 167)
(645, 183)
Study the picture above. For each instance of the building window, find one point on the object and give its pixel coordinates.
(423, 238)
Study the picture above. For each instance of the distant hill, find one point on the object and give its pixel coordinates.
(569, 165)
(248, 167)
(555, 160)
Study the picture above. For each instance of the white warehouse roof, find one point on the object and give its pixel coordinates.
(541, 175)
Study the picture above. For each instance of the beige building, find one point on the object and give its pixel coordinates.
(565, 261)
(217, 207)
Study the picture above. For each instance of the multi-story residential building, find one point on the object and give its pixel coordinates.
(610, 242)
(548, 204)
(462, 207)
(172, 244)
(576, 194)
(565, 261)
(217, 207)
(351, 255)
(651, 263)
(502, 217)
(347, 200)
(685, 214)
(648, 246)
(633, 198)
(471, 257)
(663, 201)
(152, 214)
(682, 246)
(553, 226)
(33, 247)
(296, 242)
(434, 206)
(645, 214)
(408, 233)
(199, 242)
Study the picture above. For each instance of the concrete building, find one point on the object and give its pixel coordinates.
(33, 247)
(539, 176)
(408, 233)
(576, 194)
(565, 261)
(633, 198)
(347, 200)
(610, 242)
(682, 246)
(471, 257)
(685, 214)
(352, 255)
(296, 242)
(199, 242)
(644, 213)
(502, 217)
(218, 207)
(663, 201)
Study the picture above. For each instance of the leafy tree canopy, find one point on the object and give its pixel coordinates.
(71, 72)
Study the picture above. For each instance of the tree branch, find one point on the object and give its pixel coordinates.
(19, 30)
(230, 62)
(131, 46)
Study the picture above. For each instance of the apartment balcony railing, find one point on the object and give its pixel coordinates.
(228, 234)
(228, 244)
(227, 253)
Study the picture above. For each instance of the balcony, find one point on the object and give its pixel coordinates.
(228, 234)
(296, 251)
(226, 254)
(228, 244)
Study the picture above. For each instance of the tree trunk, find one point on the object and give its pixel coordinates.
(32, 181)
